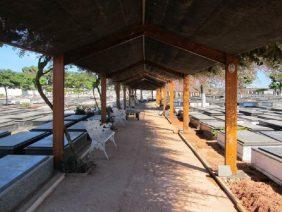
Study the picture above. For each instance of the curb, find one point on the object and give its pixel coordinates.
(218, 180)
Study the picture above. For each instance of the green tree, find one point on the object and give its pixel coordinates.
(8, 79)
(27, 78)
(276, 81)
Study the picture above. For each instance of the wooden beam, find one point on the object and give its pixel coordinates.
(117, 89)
(171, 101)
(153, 32)
(158, 96)
(156, 76)
(183, 43)
(118, 72)
(58, 110)
(164, 98)
(115, 39)
(103, 99)
(186, 97)
(164, 68)
(231, 114)
(124, 96)
(168, 72)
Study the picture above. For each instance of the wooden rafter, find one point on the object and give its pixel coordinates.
(133, 32)
(108, 42)
(164, 71)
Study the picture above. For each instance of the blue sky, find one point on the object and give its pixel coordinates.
(9, 59)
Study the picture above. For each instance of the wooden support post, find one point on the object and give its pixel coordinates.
(58, 110)
(124, 97)
(141, 95)
(171, 101)
(231, 115)
(164, 99)
(157, 96)
(129, 97)
(103, 99)
(117, 89)
(186, 97)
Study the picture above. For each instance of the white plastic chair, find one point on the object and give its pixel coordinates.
(99, 136)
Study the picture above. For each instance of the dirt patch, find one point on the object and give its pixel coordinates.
(256, 192)
(256, 196)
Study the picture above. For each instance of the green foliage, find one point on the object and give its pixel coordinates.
(82, 110)
(269, 55)
(276, 81)
(25, 105)
(9, 78)
(79, 82)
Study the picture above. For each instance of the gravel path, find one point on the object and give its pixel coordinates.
(152, 170)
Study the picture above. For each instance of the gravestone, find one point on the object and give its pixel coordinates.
(45, 145)
(275, 151)
(20, 176)
(277, 135)
(49, 126)
(16, 142)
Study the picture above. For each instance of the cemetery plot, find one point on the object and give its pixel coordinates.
(16, 142)
(209, 128)
(213, 113)
(79, 126)
(196, 118)
(254, 127)
(42, 120)
(268, 160)
(277, 125)
(76, 118)
(45, 145)
(20, 176)
(247, 140)
(277, 135)
(270, 117)
(4, 133)
(49, 126)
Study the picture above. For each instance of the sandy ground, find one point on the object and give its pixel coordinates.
(255, 191)
(152, 170)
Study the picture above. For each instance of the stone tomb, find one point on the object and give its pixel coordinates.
(4, 133)
(196, 118)
(15, 143)
(76, 118)
(209, 128)
(277, 125)
(49, 126)
(20, 176)
(247, 140)
(78, 127)
(254, 127)
(277, 135)
(268, 160)
(45, 145)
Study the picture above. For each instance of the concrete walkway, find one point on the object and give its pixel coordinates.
(152, 170)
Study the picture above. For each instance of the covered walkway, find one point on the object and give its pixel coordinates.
(152, 170)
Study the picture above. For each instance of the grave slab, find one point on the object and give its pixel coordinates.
(76, 117)
(20, 176)
(254, 127)
(268, 160)
(15, 143)
(246, 141)
(45, 145)
(78, 127)
(4, 133)
(272, 124)
(49, 126)
(277, 135)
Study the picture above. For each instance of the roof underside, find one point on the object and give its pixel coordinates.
(158, 40)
